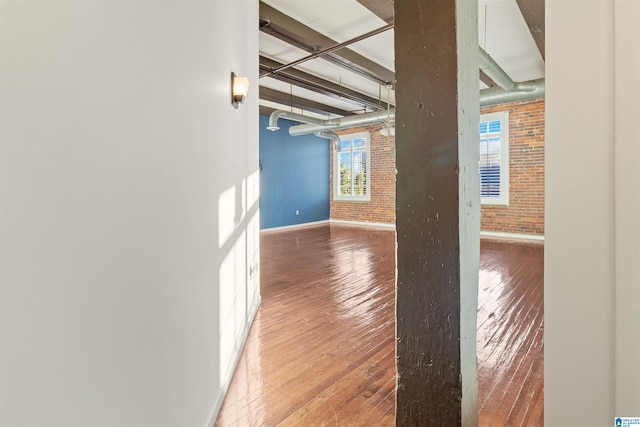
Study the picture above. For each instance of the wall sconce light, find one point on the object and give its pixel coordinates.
(239, 89)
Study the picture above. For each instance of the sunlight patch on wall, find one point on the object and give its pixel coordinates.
(253, 189)
(226, 215)
(233, 303)
(253, 259)
(239, 278)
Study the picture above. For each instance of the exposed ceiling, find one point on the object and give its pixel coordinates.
(359, 78)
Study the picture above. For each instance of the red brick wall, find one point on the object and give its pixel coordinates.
(523, 215)
(381, 208)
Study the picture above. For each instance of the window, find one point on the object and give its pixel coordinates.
(351, 168)
(494, 158)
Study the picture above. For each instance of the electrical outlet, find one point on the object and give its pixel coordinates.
(297, 212)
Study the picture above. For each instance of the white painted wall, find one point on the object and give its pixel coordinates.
(129, 209)
(579, 270)
(627, 207)
(592, 238)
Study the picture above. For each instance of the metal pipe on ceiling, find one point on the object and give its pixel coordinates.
(304, 80)
(486, 63)
(337, 143)
(492, 70)
(283, 114)
(508, 91)
(344, 122)
(521, 91)
(328, 50)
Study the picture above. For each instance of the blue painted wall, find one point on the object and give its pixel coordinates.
(294, 176)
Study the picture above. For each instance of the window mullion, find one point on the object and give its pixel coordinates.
(353, 167)
(356, 148)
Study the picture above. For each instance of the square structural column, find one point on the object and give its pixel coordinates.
(437, 211)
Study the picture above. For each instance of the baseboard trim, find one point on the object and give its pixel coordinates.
(364, 224)
(294, 226)
(492, 234)
(511, 236)
(225, 387)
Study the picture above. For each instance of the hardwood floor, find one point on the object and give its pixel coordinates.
(510, 327)
(321, 350)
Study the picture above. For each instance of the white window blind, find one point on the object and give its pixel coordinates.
(494, 158)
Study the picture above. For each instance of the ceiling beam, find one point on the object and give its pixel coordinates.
(533, 14)
(486, 79)
(287, 29)
(265, 111)
(330, 50)
(321, 86)
(383, 9)
(273, 95)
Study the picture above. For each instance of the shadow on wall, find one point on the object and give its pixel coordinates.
(239, 283)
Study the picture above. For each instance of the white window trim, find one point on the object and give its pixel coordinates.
(336, 170)
(503, 200)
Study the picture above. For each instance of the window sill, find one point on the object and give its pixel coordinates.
(495, 203)
(352, 199)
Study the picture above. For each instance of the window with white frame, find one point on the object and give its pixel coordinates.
(351, 179)
(494, 158)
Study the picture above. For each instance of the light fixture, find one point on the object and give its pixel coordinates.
(239, 89)
(388, 131)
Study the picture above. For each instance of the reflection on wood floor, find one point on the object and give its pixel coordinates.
(510, 326)
(321, 350)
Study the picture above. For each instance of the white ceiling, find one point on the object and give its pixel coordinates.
(502, 32)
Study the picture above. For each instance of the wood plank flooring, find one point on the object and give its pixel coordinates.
(321, 351)
(510, 327)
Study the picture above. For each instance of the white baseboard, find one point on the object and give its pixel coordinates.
(494, 234)
(225, 387)
(364, 223)
(514, 236)
(294, 226)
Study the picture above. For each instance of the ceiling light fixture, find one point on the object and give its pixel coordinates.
(239, 89)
